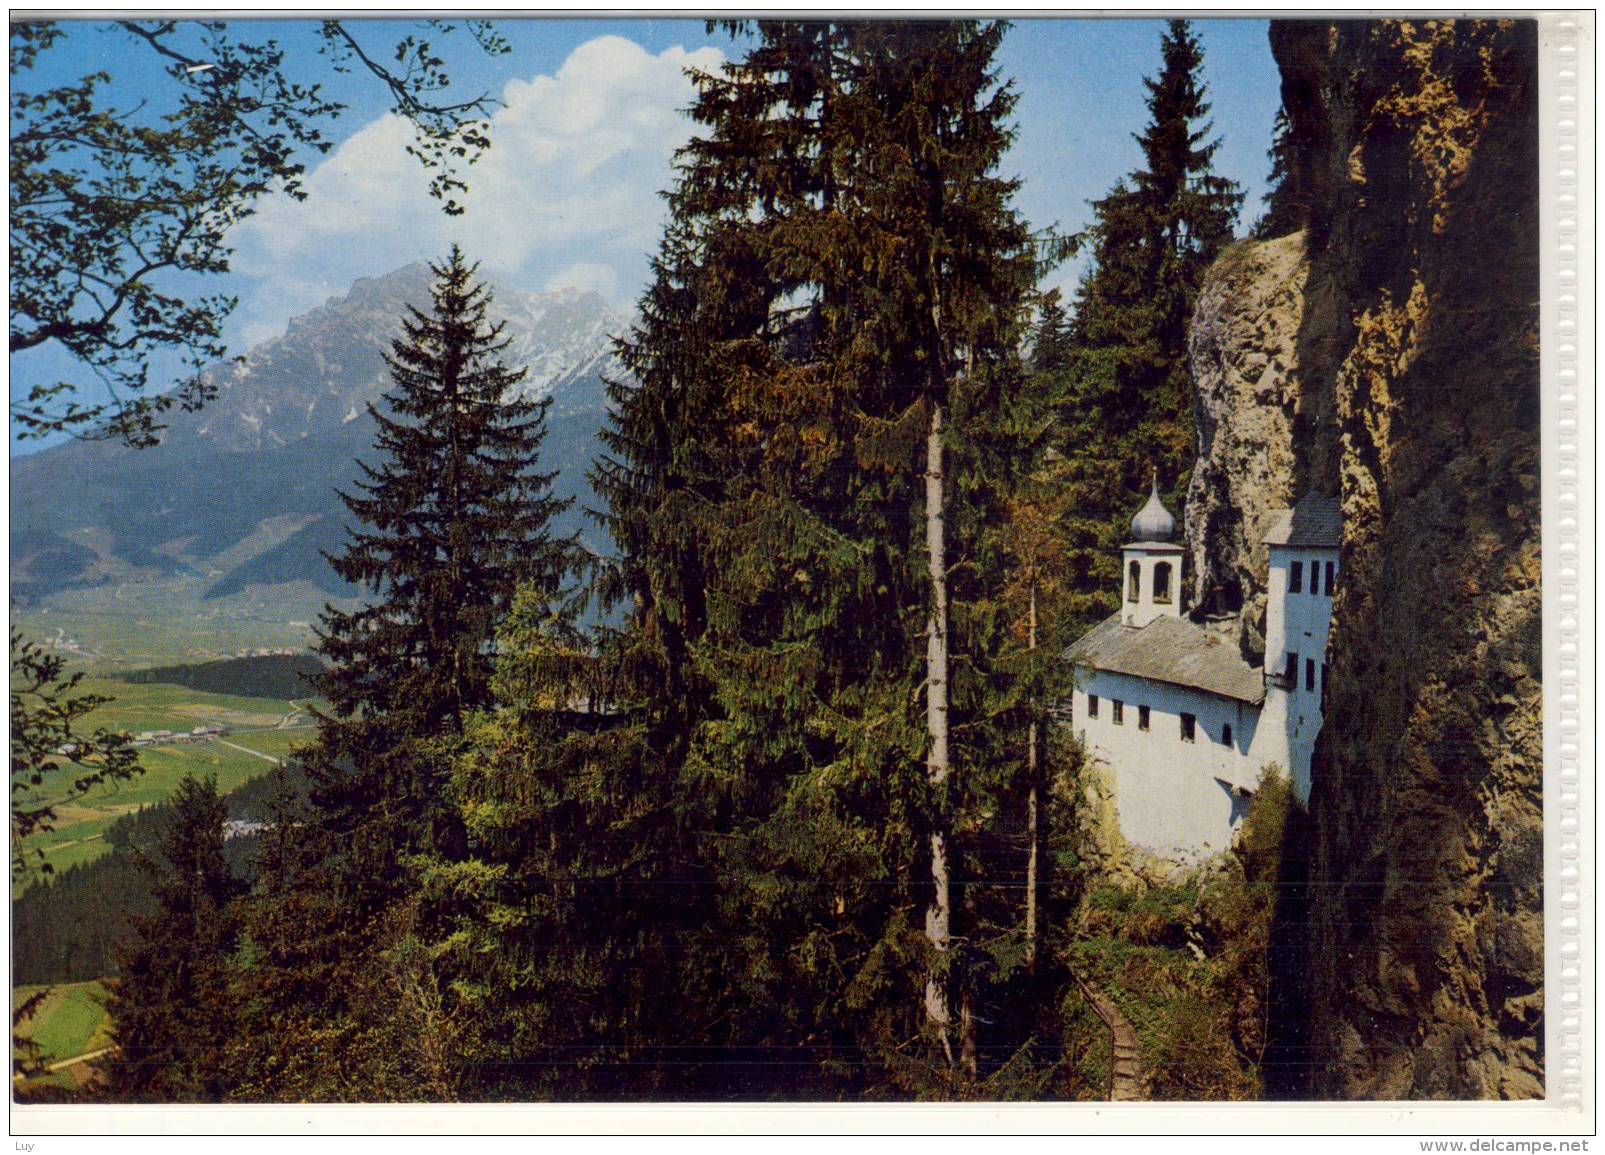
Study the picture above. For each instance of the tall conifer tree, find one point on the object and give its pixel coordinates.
(1287, 205)
(452, 520)
(834, 318)
(1129, 410)
(596, 918)
(860, 274)
(170, 1005)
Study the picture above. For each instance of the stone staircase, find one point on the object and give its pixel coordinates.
(1125, 1076)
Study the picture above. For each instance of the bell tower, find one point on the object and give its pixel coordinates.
(1151, 565)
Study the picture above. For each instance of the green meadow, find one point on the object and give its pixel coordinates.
(136, 624)
(256, 735)
(71, 1020)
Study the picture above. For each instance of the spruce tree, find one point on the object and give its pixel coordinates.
(1287, 203)
(857, 276)
(1050, 342)
(716, 887)
(1129, 406)
(566, 931)
(170, 1006)
(451, 521)
(286, 967)
(590, 934)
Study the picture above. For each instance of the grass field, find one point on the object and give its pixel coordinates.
(127, 625)
(70, 1021)
(163, 707)
(241, 755)
(144, 631)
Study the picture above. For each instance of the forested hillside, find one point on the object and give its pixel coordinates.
(65, 928)
(285, 677)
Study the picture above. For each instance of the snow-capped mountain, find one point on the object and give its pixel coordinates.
(327, 365)
(243, 492)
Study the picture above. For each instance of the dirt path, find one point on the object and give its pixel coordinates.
(248, 750)
(1125, 1076)
(64, 1064)
(76, 1059)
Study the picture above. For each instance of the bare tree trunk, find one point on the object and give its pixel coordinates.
(938, 916)
(1032, 831)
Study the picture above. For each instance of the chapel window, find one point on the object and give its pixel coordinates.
(1134, 582)
(1189, 725)
(1142, 717)
(1162, 582)
(1295, 578)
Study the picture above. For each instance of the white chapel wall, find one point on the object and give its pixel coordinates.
(1168, 792)
(1297, 623)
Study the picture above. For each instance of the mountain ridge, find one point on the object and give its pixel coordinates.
(243, 492)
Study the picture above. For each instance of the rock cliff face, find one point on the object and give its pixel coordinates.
(1248, 400)
(1394, 361)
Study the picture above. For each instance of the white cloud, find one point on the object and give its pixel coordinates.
(567, 196)
(587, 276)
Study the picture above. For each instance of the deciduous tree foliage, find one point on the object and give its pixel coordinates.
(120, 200)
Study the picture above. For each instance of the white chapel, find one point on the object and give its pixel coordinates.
(1181, 723)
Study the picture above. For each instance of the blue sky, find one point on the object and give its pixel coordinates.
(568, 195)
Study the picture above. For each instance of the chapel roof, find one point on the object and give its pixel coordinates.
(1316, 522)
(1170, 650)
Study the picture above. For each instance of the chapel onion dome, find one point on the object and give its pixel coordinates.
(1153, 522)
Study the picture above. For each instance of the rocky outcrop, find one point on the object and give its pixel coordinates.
(1248, 401)
(1398, 368)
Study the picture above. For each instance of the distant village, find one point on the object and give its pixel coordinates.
(206, 733)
